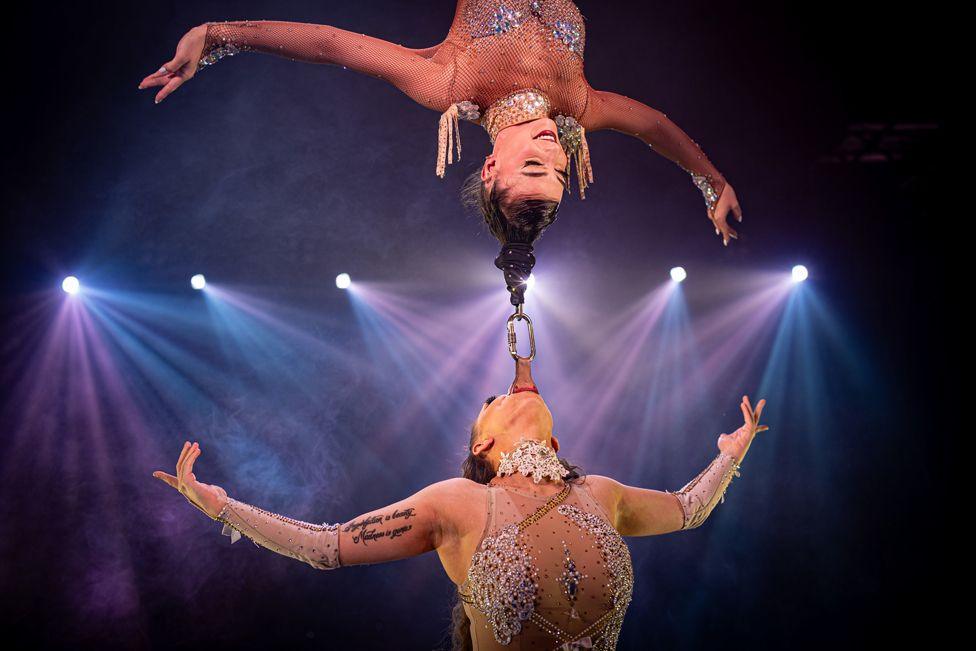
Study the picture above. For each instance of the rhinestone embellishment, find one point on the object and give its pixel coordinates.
(568, 33)
(570, 581)
(505, 19)
(507, 582)
(521, 106)
(704, 183)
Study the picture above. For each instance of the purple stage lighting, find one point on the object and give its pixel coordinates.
(678, 274)
(343, 281)
(799, 273)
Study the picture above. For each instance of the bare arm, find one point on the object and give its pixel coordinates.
(605, 110)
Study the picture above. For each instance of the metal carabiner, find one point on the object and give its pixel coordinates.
(513, 341)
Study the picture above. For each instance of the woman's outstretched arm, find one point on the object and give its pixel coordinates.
(606, 110)
(407, 528)
(410, 70)
(646, 512)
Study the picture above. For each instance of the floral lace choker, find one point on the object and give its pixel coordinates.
(533, 459)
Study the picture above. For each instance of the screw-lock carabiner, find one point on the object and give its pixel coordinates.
(513, 340)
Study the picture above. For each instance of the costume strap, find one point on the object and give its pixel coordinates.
(552, 503)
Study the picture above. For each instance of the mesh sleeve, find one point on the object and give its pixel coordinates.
(411, 70)
(612, 111)
(315, 544)
(702, 494)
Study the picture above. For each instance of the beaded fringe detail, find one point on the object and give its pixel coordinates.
(448, 133)
(581, 159)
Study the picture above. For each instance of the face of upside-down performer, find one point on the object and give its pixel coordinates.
(515, 67)
(534, 548)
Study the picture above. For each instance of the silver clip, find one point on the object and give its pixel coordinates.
(513, 340)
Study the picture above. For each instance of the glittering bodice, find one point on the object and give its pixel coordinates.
(565, 576)
(501, 46)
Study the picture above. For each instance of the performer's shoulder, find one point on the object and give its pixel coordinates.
(458, 485)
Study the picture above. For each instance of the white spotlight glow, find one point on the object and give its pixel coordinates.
(678, 274)
(530, 283)
(71, 285)
(343, 281)
(197, 281)
(799, 273)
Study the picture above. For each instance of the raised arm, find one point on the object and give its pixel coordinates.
(407, 528)
(411, 70)
(647, 512)
(605, 110)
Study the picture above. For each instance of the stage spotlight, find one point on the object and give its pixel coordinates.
(71, 285)
(530, 283)
(678, 274)
(799, 273)
(197, 281)
(343, 281)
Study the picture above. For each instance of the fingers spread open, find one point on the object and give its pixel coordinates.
(746, 413)
(759, 408)
(166, 477)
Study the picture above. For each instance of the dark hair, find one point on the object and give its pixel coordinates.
(478, 469)
(521, 220)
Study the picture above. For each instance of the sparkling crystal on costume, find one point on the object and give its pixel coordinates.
(219, 53)
(560, 19)
(568, 33)
(570, 580)
(570, 132)
(520, 106)
(507, 582)
(533, 459)
(616, 556)
(469, 111)
(704, 183)
(505, 19)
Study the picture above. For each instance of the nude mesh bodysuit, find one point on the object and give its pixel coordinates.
(493, 48)
(565, 577)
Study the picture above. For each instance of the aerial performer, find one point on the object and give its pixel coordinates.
(515, 67)
(534, 546)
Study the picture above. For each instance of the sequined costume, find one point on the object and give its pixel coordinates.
(549, 571)
(503, 62)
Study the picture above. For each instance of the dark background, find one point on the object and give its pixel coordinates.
(278, 175)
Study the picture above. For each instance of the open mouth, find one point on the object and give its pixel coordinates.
(546, 135)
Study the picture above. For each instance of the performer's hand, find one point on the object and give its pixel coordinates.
(181, 67)
(207, 497)
(737, 443)
(727, 201)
